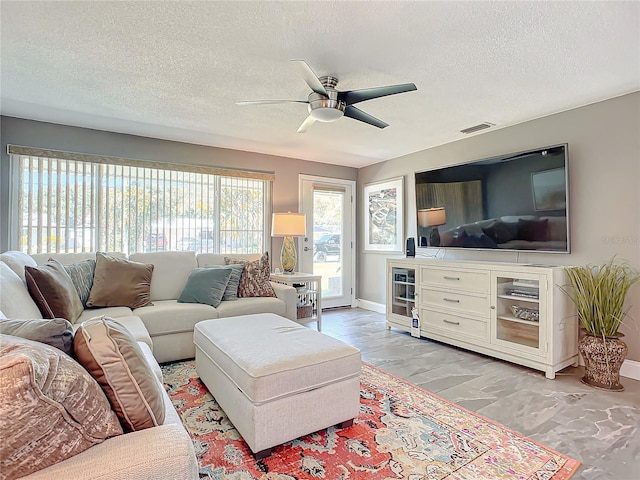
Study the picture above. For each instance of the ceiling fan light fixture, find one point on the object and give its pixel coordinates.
(326, 109)
(326, 114)
(326, 104)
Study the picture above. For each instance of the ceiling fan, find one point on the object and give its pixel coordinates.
(326, 104)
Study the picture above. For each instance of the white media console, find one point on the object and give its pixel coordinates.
(516, 312)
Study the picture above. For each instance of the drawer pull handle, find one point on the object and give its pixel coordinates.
(446, 277)
(450, 322)
(452, 300)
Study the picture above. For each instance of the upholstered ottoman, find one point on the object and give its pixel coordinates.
(275, 379)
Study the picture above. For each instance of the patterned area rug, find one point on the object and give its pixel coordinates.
(402, 432)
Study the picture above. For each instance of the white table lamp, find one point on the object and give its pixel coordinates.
(288, 225)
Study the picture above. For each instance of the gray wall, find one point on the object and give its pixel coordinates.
(604, 198)
(604, 181)
(83, 140)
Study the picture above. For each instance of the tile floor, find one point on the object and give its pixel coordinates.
(600, 429)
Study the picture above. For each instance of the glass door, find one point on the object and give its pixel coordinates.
(403, 291)
(328, 248)
(519, 312)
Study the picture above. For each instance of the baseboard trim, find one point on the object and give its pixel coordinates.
(373, 306)
(630, 369)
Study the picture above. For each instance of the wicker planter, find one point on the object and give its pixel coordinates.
(305, 311)
(603, 359)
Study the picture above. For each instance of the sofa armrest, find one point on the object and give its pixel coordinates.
(287, 294)
(159, 452)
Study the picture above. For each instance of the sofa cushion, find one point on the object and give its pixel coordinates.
(205, 285)
(51, 288)
(113, 357)
(231, 290)
(50, 407)
(169, 316)
(120, 283)
(113, 312)
(254, 281)
(155, 368)
(206, 259)
(15, 301)
(248, 306)
(17, 261)
(81, 274)
(170, 273)
(130, 322)
(56, 332)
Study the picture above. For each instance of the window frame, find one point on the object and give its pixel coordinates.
(15, 152)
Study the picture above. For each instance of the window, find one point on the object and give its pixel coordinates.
(82, 203)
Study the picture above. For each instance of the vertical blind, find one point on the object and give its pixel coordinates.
(79, 205)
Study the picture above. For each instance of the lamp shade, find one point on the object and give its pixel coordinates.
(288, 225)
(432, 217)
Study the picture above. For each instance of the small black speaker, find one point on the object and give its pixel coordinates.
(411, 247)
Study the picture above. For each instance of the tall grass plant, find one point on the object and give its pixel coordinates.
(599, 293)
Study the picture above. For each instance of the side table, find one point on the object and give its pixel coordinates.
(309, 289)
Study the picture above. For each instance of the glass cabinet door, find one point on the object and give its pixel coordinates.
(403, 291)
(519, 313)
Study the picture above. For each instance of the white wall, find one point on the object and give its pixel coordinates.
(604, 182)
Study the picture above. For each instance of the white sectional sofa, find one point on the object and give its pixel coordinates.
(165, 451)
(166, 329)
(167, 326)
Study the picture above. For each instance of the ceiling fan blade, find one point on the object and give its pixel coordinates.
(354, 96)
(268, 102)
(357, 114)
(304, 126)
(311, 78)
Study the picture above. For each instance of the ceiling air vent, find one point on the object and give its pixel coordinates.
(477, 128)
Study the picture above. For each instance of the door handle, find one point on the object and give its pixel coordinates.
(306, 249)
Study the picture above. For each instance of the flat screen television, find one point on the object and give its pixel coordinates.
(517, 201)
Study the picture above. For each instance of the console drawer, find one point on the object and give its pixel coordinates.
(465, 280)
(450, 300)
(454, 325)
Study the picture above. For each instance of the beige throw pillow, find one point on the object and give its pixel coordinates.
(120, 283)
(254, 280)
(53, 291)
(50, 408)
(113, 357)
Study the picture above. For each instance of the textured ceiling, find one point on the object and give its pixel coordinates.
(174, 70)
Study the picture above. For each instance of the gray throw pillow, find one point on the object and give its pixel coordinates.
(56, 332)
(81, 274)
(205, 285)
(231, 292)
